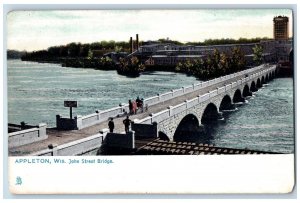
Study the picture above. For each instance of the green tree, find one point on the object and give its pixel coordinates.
(63, 51)
(179, 67)
(223, 64)
(186, 67)
(90, 54)
(237, 60)
(84, 50)
(131, 66)
(96, 46)
(215, 60)
(54, 51)
(258, 54)
(198, 68)
(73, 49)
(105, 61)
(118, 48)
(214, 65)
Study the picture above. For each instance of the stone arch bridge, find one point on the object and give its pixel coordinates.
(182, 111)
(191, 115)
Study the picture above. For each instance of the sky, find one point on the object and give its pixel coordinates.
(36, 30)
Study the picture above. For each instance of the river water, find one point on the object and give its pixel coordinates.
(36, 93)
(264, 122)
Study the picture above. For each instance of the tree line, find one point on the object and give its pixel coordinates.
(14, 54)
(97, 49)
(227, 41)
(73, 50)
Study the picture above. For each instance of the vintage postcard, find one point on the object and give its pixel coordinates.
(168, 101)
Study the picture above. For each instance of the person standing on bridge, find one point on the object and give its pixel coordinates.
(111, 125)
(130, 107)
(126, 123)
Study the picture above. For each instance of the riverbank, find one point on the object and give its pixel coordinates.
(98, 65)
(75, 63)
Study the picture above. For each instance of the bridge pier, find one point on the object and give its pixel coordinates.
(240, 100)
(220, 115)
(254, 89)
(232, 107)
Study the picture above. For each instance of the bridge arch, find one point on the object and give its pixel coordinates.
(209, 114)
(188, 125)
(246, 91)
(263, 80)
(226, 103)
(267, 77)
(237, 97)
(253, 87)
(258, 83)
(163, 136)
(270, 75)
(273, 74)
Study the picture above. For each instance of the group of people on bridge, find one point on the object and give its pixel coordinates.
(126, 122)
(133, 107)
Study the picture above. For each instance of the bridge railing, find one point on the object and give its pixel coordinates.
(178, 108)
(188, 89)
(192, 102)
(77, 147)
(152, 100)
(162, 115)
(221, 90)
(204, 84)
(89, 119)
(146, 120)
(100, 116)
(166, 96)
(197, 86)
(27, 136)
(204, 97)
(213, 93)
(234, 84)
(228, 87)
(177, 92)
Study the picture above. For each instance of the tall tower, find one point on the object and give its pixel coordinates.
(281, 27)
(131, 45)
(137, 41)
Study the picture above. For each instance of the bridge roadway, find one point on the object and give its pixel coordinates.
(62, 137)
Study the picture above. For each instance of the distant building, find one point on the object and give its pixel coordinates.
(115, 56)
(172, 60)
(281, 27)
(283, 48)
(168, 53)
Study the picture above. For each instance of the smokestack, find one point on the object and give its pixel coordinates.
(131, 45)
(137, 41)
